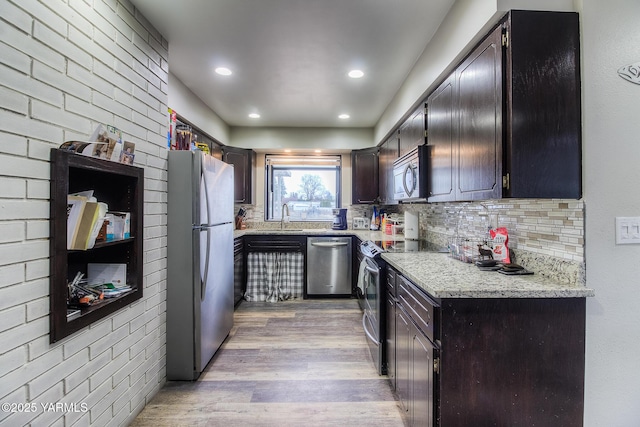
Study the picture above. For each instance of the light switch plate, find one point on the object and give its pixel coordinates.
(627, 230)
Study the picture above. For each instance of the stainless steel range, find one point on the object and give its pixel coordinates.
(372, 273)
(371, 291)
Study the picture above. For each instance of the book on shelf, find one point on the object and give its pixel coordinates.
(75, 209)
(86, 225)
(85, 216)
(97, 225)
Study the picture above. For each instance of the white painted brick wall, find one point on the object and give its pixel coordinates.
(65, 67)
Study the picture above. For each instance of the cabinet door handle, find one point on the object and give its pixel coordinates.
(373, 271)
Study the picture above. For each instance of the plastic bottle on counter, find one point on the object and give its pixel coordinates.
(373, 226)
(379, 217)
(388, 226)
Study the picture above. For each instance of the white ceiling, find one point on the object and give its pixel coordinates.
(290, 58)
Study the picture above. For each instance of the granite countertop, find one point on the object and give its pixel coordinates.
(445, 277)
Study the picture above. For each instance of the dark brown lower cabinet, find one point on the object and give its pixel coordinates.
(512, 362)
(414, 354)
(403, 356)
(391, 326)
(239, 284)
(414, 364)
(402, 347)
(488, 361)
(421, 385)
(391, 340)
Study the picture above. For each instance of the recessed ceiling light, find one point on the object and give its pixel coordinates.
(344, 116)
(223, 71)
(254, 115)
(287, 150)
(356, 74)
(317, 151)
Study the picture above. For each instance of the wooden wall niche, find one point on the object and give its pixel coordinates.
(121, 187)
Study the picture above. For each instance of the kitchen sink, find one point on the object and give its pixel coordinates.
(304, 229)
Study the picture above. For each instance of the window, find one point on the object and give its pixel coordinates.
(309, 185)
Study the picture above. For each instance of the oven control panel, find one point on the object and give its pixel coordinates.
(370, 249)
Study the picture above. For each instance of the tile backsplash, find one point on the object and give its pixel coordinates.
(546, 236)
(255, 218)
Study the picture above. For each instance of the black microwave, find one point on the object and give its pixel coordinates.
(410, 175)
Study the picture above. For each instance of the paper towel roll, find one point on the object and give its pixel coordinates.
(411, 225)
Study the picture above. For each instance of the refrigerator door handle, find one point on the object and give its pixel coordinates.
(206, 192)
(205, 279)
(203, 285)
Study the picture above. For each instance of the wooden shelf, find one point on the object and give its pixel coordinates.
(121, 187)
(102, 244)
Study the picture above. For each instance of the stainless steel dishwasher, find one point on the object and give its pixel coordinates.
(329, 266)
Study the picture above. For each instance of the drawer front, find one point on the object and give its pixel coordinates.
(422, 310)
(273, 243)
(391, 281)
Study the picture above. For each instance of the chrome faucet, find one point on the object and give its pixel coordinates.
(284, 207)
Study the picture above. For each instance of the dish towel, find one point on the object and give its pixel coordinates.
(361, 273)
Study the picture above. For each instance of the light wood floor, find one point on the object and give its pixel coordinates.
(294, 363)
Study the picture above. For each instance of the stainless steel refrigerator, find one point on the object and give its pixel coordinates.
(199, 261)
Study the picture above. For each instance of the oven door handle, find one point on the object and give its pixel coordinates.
(373, 271)
(366, 331)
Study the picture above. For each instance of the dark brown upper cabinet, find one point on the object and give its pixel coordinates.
(243, 161)
(364, 176)
(478, 82)
(441, 166)
(388, 154)
(543, 147)
(515, 120)
(412, 131)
